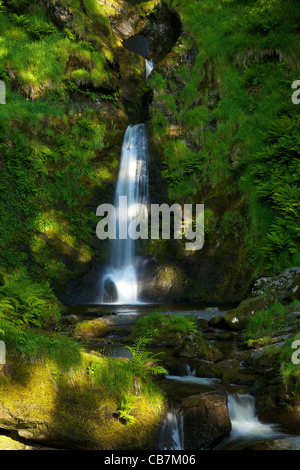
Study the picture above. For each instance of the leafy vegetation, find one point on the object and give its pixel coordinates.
(160, 327)
(143, 362)
(236, 120)
(266, 322)
(290, 371)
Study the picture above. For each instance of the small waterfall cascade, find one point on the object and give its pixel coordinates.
(119, 282)
(189, 371)
(172, 433)
(245, 422)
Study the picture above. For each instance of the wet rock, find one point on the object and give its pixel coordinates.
(195, 346)
(164, 283)
(72, 319)
(110, 291)
(206, 420)
(285, 443)
(228, 371)
(218, 322)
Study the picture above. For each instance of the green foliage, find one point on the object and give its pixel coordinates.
(266, 322)
(276, 172)
(158, 324)
(141, 363)
(24, 303)
(290, 372)
(127, 404)
(125, 381)
(241, 81)
(231, 225)
(196, 117)
(36, 27)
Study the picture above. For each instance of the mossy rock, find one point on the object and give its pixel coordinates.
(195, 346)
(238, 318)
(91, 329)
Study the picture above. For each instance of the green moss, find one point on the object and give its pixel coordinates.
(7, 443)
(39, 396)
(92, 328)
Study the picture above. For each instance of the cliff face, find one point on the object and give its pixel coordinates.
(222, 130)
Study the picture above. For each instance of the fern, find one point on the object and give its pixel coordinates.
(141, 361)
(127, 405)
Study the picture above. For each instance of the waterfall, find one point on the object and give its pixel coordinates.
(244, 420)
(149, 67)
(120, 283)
(189, 371)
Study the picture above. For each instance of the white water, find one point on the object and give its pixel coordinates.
(246, 426)
(190, 377)
(172, 431)
(132, 183)
(149, 66)
(121, 274)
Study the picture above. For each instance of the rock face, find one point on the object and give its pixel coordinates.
(60, 15)
(163, 283)
(285, 286)
(206, 420)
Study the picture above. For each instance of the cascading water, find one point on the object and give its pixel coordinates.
(149, 67)
(246, 426)
(172, 434)
(120, 280)
(120, 283)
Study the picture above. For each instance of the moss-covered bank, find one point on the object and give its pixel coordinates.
(79, 408)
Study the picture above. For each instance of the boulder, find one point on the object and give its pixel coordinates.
(285, 286)
(195, 346)
(163, 283)
(59, 408)
(206, 420)
(218, 322)
(91, 329)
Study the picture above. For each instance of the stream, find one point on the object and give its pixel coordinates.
(246, 426)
